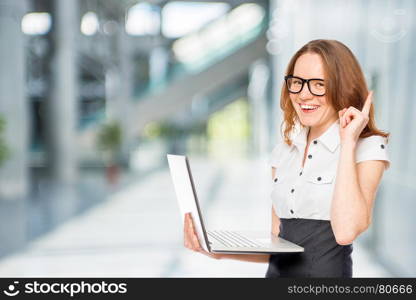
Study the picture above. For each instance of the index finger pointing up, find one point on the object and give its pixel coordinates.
(367, 104)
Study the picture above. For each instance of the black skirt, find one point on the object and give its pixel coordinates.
(322, 257)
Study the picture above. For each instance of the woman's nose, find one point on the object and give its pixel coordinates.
(305, 93)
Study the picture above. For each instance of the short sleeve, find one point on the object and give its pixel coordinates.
(276, 154)
(372, 148)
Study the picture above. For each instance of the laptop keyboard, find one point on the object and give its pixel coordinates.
(233, 239)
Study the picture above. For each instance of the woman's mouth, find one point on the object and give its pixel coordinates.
(307, 109)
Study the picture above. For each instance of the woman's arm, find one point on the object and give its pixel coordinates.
(356, 184)
(354, 193)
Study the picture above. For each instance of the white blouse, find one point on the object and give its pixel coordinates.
(307, 192)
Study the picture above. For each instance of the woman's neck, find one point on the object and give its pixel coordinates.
(316, 131)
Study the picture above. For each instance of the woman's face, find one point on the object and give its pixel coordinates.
(313, 111)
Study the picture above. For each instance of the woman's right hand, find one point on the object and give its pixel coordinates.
(191, 238)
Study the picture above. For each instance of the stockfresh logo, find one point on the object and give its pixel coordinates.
(12, 289)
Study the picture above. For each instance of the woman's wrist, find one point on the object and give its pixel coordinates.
(212, 255)
(216, 256)
(348, 144)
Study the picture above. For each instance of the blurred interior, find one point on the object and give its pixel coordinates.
(95, 93)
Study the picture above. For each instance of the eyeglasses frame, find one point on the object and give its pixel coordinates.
(303, 84)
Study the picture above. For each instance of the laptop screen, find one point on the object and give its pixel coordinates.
(186, 195)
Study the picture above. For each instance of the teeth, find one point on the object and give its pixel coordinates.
(304, 106)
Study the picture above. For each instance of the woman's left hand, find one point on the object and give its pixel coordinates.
(352, 121)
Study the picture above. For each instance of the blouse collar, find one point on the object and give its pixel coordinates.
(330, 138)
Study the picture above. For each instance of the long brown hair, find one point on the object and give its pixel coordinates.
(345, 84)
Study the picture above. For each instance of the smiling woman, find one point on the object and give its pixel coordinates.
(339, 156)
(325, 177)
(341, 85)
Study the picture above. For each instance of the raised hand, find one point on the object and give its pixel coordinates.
(352, 121)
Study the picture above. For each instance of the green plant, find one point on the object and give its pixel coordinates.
(164, 129)
(4, 150)
(109, 138)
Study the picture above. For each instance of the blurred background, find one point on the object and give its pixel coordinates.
(95, 93)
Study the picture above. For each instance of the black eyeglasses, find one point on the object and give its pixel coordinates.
(295, 85)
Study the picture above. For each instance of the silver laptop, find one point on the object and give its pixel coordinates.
(219, 241)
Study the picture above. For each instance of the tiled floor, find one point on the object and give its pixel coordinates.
(138, 233)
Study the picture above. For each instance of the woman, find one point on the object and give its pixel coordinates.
(326, 173)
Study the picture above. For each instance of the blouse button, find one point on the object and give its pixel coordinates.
(315, 142)
(310, 156)
(382, 146)
(275, 180)
(292, 190)
(291, 211)
(319, 178)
